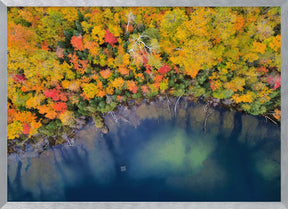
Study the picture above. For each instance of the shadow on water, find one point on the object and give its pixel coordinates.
(15, 188)
(162, 159)
(237, 127)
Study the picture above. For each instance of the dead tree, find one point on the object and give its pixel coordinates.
(208, 111)
(175, 107)
(112, 113)
(266, 117)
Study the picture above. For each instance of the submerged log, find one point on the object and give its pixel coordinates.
(208, 112)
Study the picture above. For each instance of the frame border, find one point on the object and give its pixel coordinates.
(139, 3)
(143, 205)
(284, 104)
(3, 103)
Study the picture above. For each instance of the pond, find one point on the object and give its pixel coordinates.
(150, 154)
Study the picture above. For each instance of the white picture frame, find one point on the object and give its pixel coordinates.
(4, 204)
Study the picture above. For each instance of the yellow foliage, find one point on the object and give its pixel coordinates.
(70, 75)
(34, 127)
(259, 47)
(67, 118)
(90, 90)
(217, 43)
(171, 20)
(35, 101)
(70, 14)
(237, 84)
(246, 98)
(98, 34)
(71, 85)
(109, 89)
(251, 57)
(118, 83)
(276, 43)
(126, 59)
(14, 129)
(195, 55)
(164, 85)
(26, 15)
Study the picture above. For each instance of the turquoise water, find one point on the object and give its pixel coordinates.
(150, 155)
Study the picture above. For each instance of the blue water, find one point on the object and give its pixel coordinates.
(157, 157)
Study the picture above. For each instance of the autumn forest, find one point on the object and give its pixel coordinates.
(69, 63)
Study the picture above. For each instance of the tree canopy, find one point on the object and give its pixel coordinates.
(64, 63)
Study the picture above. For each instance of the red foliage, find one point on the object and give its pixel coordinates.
(158, 78)
(110, 38)
(77, 42)
(19, 78)
(131, 85)
(212, 85)
(164, 69)
(145, 58)
(26, 128)
(52, 93)
(145, 89)
(274, 79)
(120, 98)
(262, 69)
(60, 107)
(55, 94)
(148, 69)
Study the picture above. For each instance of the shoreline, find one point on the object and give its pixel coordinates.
(28, 149)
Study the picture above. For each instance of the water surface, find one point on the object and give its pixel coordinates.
(151, 155)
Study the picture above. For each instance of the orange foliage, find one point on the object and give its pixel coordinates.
(158, 78)
(277, 114)
(25, 117)
(47, 111)
(119, 98)
(236, 50)
(239, 23)
(105, 73)
(131, 86)
(145, 89)
(101, 93)
(123, 71)
(45, 46)
(77, 42)
(19, 36)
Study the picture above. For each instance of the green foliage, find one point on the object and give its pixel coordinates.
(99, 122)
(64, 63)
(222, 94)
